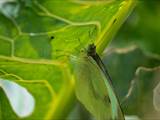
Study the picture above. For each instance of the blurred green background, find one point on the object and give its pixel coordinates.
(142, 27)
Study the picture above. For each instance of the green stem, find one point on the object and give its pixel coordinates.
(114, 24)
(65, 100)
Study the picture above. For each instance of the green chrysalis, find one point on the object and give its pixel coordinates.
(93, 89)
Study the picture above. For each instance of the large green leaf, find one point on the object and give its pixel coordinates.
(38, 88)
(35, 33)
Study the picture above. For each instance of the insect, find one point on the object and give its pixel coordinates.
(91, 51)
(93, 89)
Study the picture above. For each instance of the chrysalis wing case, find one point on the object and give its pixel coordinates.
(93, 88)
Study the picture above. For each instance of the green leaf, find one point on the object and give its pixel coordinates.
(146, 80)
(37, 88)
(29, 53)
(123, 62)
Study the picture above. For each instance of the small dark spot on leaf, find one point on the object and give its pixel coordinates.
(52, 37)
(114, 21)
